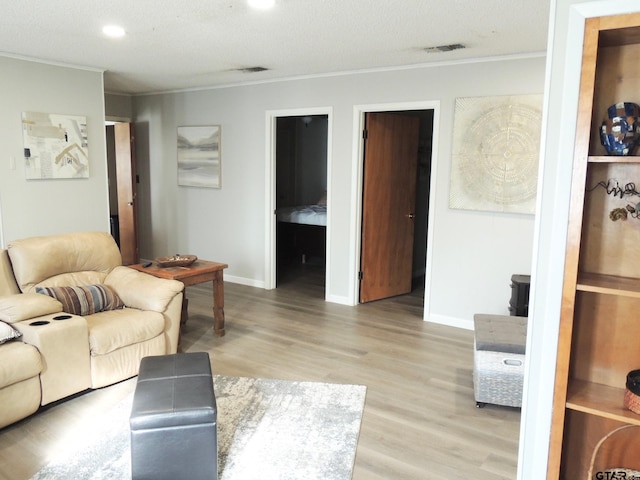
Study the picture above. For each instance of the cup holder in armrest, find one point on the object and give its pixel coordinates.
(37, 323)
(62, 317)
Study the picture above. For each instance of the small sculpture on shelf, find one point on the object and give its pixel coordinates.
(620, 133)
(612, 186)
(618, 214)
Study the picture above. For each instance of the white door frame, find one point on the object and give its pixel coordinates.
(359, 112)
(270, 190)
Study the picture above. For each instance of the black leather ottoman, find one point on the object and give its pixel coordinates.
(173, 419)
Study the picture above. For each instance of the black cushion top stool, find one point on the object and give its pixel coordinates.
(173, 419)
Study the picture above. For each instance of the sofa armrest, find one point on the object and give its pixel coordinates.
(141, 290)
(23, 306)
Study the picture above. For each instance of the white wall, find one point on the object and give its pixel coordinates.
(561, 105)
(474, 253)
(42, 207)
(118, 106)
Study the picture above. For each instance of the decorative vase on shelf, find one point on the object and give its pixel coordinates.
(620, 132)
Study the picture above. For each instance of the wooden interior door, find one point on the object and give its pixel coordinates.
(388, 204)
(126, 181)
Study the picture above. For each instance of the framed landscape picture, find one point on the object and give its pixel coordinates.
(199, 161)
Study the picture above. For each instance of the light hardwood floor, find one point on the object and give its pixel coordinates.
(420, 420)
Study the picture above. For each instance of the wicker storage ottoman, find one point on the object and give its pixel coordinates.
(498, 359)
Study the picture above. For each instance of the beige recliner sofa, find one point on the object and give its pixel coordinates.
(63, 351)
(20, 363)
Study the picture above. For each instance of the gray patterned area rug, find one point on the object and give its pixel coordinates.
(267, 430)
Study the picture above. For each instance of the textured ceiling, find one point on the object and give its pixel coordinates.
(174, 45)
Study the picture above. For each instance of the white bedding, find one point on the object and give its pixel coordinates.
(305, 215)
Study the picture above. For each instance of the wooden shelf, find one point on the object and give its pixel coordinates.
(599, 323)
(616, 30)
(614, 159)
(600, 400)
(622, 286)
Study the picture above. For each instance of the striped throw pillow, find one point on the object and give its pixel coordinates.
(84, 300)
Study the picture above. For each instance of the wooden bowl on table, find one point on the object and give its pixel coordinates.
(175, 261)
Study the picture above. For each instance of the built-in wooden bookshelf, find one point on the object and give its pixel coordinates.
(599, 340)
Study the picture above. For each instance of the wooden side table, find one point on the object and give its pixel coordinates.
(200, 271)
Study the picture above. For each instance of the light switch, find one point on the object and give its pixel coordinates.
(12, 162)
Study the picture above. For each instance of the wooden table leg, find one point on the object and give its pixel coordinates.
(184, 314)
(218, 304)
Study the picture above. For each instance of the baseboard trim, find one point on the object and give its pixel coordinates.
(450, 321)
(339, 299)
(249, 282)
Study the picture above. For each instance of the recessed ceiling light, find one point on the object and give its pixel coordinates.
(262, 4)
(113, 31)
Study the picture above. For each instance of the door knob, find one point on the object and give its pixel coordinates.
(410, 215)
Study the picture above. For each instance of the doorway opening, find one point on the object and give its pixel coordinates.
(301, 198)
(413, 248)
(122, 181)
(114, 219)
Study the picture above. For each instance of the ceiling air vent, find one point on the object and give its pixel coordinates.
(252, 69)
(445, 48)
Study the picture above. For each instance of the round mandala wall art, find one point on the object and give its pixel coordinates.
(495, 153)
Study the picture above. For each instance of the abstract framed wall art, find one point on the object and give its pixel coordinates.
(199, 161)
(495, 150)
(55, 146)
